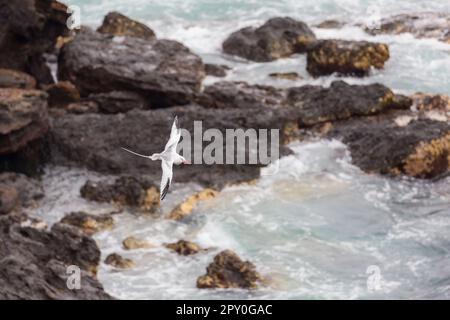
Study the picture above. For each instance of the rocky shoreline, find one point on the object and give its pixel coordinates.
(121, 85)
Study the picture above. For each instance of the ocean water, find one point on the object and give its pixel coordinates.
(319, 226)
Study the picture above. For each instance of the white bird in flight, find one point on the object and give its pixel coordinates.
(168, 158)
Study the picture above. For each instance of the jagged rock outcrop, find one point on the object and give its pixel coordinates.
(164, 72)
(27, 30)
(128, 191)
(345, 57)
(229, 271)
(184, 248)
(420, 149)
(16, 79)
(421, 25)
(277, 38)
(34, 262)
(89, 223)
(117, 24)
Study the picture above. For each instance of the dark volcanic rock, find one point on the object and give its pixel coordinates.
(229, 271)
(27, 30)
(128, 191)
(315, 104)
(24, 118)
(89, 223)
(29, 190)
(420, 149)
(16, 79)
(118, 101)
(119, 25)
(241, 95)
(119, 262)
(346, 57)
(62, 94)
(8, 198)
(163, 71)
(23, 124)
(33, 263)
(216, 70)
(277, 38)
(184, 248)
(422, 25)
(95, 141)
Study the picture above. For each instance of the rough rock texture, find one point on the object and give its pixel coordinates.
(184, 248)
(16, 79)
(29, 191)
(432, 106)
(29, 28)
(62, 94)
(186, 207)
(422, 25)
(346, 57)
(216, 70)
(229, 271)
(118, 101)
(285, 75)
(24, 122)
(277, 38)
(8, 198)
(119, 262)
(33, 262)
(117, 24)
(241, 95)
(165, 72)
(419, 149)
(128, 191)
(95, 141)
(24, 118)
(133, 243)
(89, 223)
(316, 104)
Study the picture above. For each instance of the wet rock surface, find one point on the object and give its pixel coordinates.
(419, 149)
(229, 271)
(89, 223)
(133, 243)
(285, 75)
(29, 191)
(165, 72)
(8, 198)
(186, 207)
(128, 191)
(33, 262)
(345, 57)
(29, 29)
(118, 101)
(16, 79)
(117, 24)
(277, 38)
(62, 94)
(119, 262)
(421, 25)
(184, 248)
(216, 70)
(24, 118)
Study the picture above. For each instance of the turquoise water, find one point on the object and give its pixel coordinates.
(416, 65)
(315, 227)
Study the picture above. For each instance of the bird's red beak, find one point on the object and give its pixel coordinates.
(186, 162)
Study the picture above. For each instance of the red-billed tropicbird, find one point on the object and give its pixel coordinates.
(168, 158)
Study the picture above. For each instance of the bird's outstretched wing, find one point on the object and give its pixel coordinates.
(175, 135)
(166, 179)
